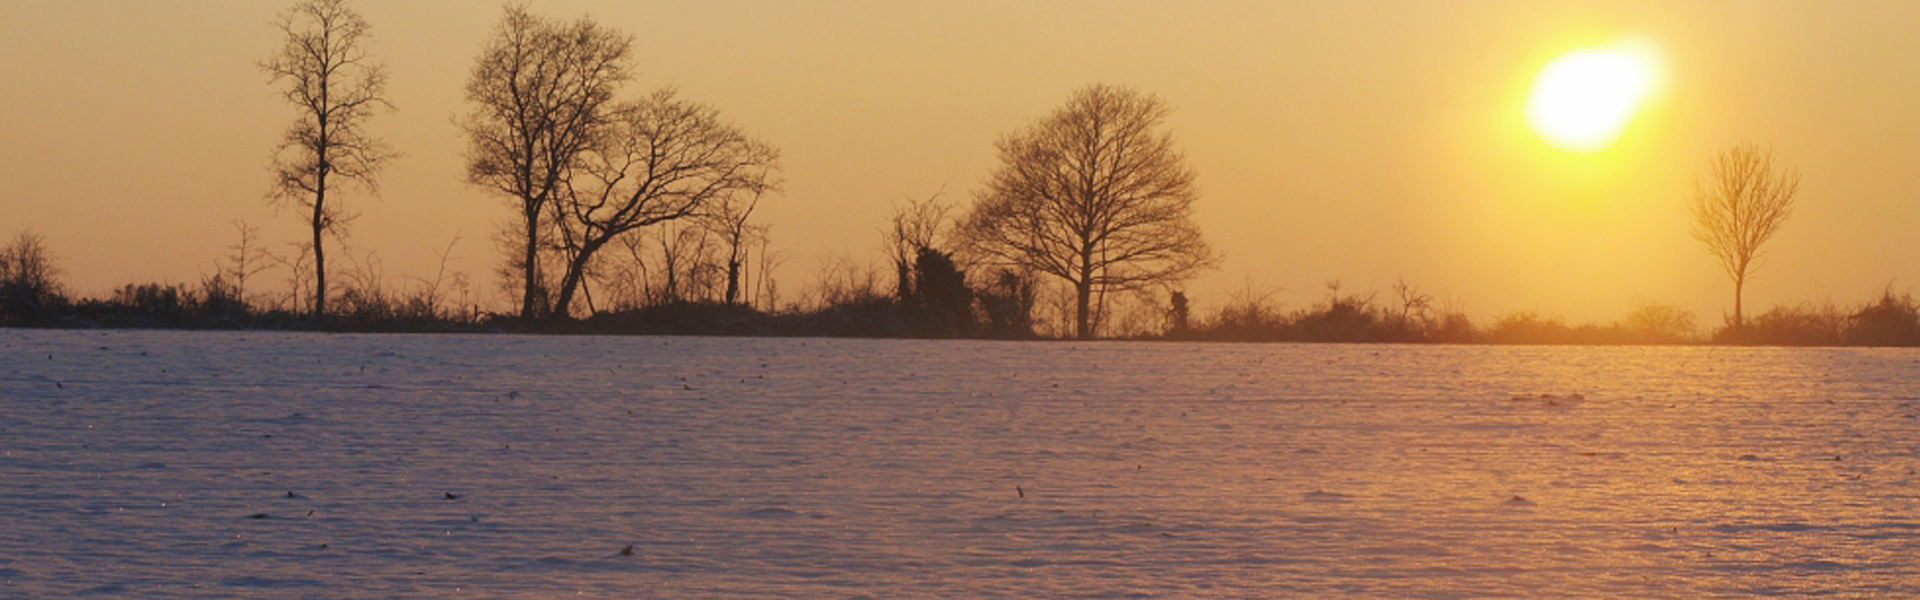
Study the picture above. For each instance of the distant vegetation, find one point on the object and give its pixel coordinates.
(931, 298)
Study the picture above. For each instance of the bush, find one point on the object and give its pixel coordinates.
(940, 304)
(1527, 327)
(154, 299)
(1341, 319)
(1803, 325)
(1657, 324)
(1006, 305)
(218, 298)
(1892, 321)
(30, 290)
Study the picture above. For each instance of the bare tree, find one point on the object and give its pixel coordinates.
(662, 159)
(542, 90)
(729, 220)
(298, 260)
(248, 258)
(1095, 194)
(843, 281)
(686, 264)
(337, 87)
(629, 282)
(1415, 305)
(1739, 206)
(766, 291)
(915, 226)
(427, 303)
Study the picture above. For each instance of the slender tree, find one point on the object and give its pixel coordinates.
(1094, 194)
(729, 220)
(661, 159)
(248, 259)
(542, 91)
(335, 84)
(687, 267)
(1741, 203)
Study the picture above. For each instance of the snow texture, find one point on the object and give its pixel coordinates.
(242, 465)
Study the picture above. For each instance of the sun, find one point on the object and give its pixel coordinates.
(1584, 99)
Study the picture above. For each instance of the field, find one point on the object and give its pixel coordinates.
(206, 465)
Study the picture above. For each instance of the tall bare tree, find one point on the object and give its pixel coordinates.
(1095, 194)
(542, 90)
(661, 159)
(1738, 207)
(336, 85)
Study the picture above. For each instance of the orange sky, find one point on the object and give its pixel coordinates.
(1363, 141)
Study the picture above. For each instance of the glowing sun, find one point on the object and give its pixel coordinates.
(1583, 100)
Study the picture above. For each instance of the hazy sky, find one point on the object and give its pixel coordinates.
(1356, 140)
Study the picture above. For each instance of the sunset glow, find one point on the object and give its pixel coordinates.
(952, 299)
(1583, 100)
(1508, 156)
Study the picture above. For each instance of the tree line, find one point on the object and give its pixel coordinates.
(1095, 195)
(648, 200)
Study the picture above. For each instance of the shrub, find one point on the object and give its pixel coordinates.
(1006, 305)
(1803, 325)
(30, 290)
(940, 304)
(1528, 327)
(1894, 320)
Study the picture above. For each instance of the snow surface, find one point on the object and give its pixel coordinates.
(241, 465)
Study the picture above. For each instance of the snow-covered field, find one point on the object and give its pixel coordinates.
(174, 464)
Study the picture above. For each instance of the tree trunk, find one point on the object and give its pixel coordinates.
(576, 275)
(530, 274)
(1739, 287)
(1083, 290)
(1083, 329)
(733, 281)
(319, 253)
(903, 281)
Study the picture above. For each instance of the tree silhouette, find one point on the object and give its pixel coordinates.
(30, 286)
(1094, 194)
(542, 91)
(337, 87)
(1179, 315)
(914, 227)
(940, 303)
(248, 259)
(729, 220)
(660, 159)
(1738, 207)
(1006, 304)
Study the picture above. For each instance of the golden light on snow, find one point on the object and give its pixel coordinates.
(1584, 99)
